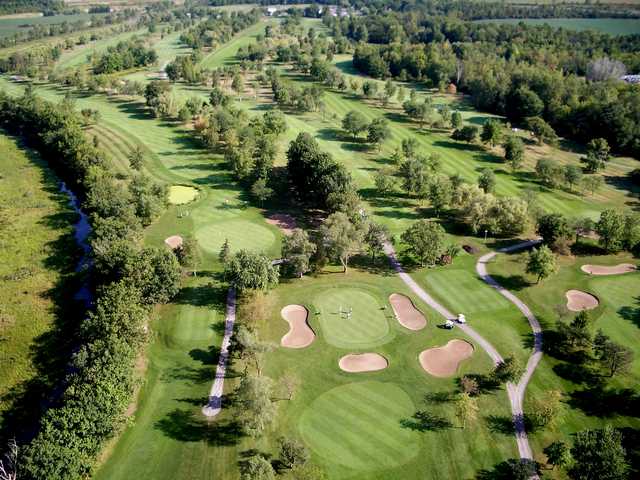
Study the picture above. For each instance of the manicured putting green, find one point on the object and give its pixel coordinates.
(465, 292)
(367, 326)
(195, 324)
(242, 235)
(181, 194)
(358, 426)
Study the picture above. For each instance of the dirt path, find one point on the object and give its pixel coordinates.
(214, 406)
(515, 391)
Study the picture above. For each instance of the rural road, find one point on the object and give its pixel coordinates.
(515, 391)
(213, 407)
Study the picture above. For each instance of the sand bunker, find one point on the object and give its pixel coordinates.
(363, 362)
(181, 194)
(300, 334)
(173, 242)
(406, 312)
(444, 361)
(578, 301)
(283, 221)
(608, 270)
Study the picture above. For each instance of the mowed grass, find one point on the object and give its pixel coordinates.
(181, 194)
(226, 54)
(612, 26)
(368, 325)
(358, 425)
(37, 260)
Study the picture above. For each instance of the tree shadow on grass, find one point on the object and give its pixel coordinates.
(601, 402)
(185, 426)
(512, 469)
(512, 282)
(500, 424)
(631, 313)
(423, 421)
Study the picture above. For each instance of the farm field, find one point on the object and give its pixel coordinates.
(397, 422)
(37, 261)
(612, 26)
(9, 26)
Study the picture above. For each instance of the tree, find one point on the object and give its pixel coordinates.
(597, 155)
(354, 123)
(414, 176)
(261, 191)
(425, 240)
(469, 386)
(548, 171)
(237, 83)
(136, 158)
(466, 408)
(602, 69)
(247, 345)
(552, 227)
(297, 250)
(514, 152)
(631, 235)
(439, 193)
(468, 134)
(385, 181)
(487, 180)
(225, 252)
(189, 254)
(614, 357)
(156, 273)
(217, 98)
(572, 175)
(545, 409)
(292, 452)
(598, 455)
(290, 382)
(257, 468)
(389, 90)
(541, 262)
(456, 120)
(9, 465)
(378, 132)
(558, 454)
(369, 89)
(592, 183)
(509, 370)
(342, 239)
(254, 401)
(375, 238)
(543, 132)
(610, 228)
(491, 132)
(248, 270)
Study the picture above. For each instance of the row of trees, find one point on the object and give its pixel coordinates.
(127, 280)
(123, 56)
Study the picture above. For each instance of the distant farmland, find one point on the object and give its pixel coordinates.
(613, 26)
(11, 25)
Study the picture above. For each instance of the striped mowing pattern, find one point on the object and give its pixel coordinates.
(358, 426)
(464, 292)
(368, 325)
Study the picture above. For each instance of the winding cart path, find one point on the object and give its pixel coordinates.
(515, 391)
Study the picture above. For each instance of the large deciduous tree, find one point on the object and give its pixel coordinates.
(598, 455)
(425, 240)
(342, 239)
(248, 270)
(541, 263)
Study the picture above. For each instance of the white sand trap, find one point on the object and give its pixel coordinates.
(300, 334)
(283, 221)
(363, 362)
(578, 301)
(444, 361)
(406, 312)
(608, 269)
(173, 242)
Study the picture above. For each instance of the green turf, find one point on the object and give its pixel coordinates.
(181, 194)
(226, 53)
(368, 325)
(612, 26)
(358, 426)
(241, 235)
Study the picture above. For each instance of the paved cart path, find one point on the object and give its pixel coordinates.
(515, 391)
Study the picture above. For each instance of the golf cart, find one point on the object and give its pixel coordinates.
(461, 318)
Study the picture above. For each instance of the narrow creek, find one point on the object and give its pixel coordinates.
(82, 229)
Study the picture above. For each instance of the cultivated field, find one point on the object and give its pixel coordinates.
(612, 26)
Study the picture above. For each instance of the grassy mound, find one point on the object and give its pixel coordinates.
(358, 425)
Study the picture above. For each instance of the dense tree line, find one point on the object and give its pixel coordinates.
(39, 31)
(127, 279)
(123, 56)
(22, 6)
(519, 71)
